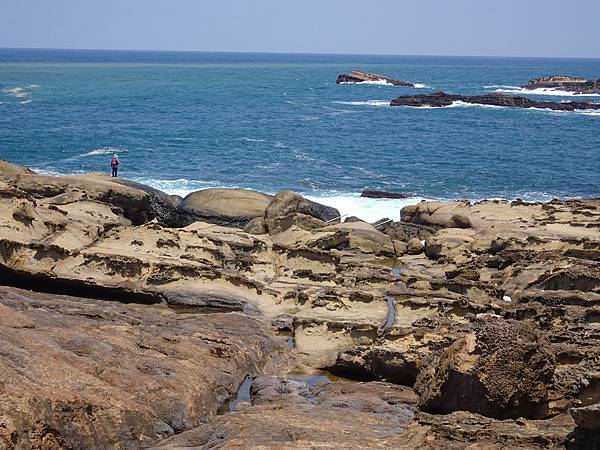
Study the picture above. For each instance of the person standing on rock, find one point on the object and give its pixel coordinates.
(115, 164)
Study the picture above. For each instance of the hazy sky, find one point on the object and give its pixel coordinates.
(425, 27)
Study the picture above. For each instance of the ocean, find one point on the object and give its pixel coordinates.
(183, 121)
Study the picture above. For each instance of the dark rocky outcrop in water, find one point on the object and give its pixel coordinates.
(576, 85)
(372, 193)
(440, 99)
(357, 76)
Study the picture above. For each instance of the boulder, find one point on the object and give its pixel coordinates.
(373, 193)
(502, 370)
(290, 208)
(226, 206)
(363, 237)
(414, 247)
(587, 417)
(437, 215)
(256, 226)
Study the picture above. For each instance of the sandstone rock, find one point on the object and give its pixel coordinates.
(286, 204)
(587, 417)
(256, 226)
(501, 370)
(363, 237)
(80, 373)
(400, 247)
(414, 247)
(309, 412)
(437, 215)
(226, 206)
(7, 167)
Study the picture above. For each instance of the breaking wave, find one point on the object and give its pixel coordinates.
(103, 151)
(539, 91)
(366, 103)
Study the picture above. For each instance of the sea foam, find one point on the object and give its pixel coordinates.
(552, 92)
(365, 103)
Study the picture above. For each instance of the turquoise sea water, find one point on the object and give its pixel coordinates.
(184, 121)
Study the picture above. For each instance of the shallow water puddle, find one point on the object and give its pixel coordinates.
(243, 395)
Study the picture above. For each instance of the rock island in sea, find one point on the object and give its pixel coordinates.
(132, 319)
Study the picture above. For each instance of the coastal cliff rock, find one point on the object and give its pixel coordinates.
(441, 99)
(575, 85)
(135, 333)
(357, 76)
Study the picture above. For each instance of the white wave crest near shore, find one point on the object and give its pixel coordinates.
(104, 151)
(420, 86)
(379, 103)
(551, 92)
(368, 209)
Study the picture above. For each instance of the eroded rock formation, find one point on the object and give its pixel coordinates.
(136, 332)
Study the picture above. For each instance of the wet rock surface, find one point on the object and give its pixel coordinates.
(441, 99)
(136, 333)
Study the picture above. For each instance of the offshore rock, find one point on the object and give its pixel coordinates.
(357, 76)
(576, 85)
(441, 99)
(372, 193)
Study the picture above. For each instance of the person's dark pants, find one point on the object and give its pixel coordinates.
(114, 171)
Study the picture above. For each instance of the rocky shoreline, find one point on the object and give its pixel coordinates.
(442, 99)
(130, 319)
(576, 85)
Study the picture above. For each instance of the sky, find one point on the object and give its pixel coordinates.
(417, 27)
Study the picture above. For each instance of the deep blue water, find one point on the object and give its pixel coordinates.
(184, 121)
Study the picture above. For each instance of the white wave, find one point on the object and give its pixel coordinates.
(103, 151)
(367, 209)
(280, 145)
(420, 86)
(552, 92)
(590, 113)
(181, 186)
(25, 102)
(18, 92)
(366, 103)
(461, 104)
(247, 139)
(33, 86)
(370, 82)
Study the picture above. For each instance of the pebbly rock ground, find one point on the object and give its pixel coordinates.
(135, 331)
